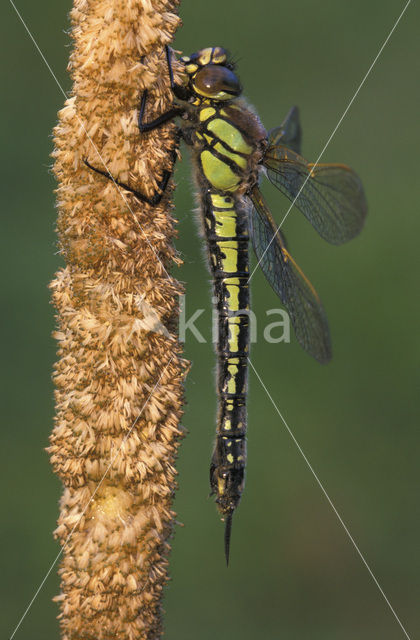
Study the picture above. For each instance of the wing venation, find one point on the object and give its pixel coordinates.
(330, 196)
(288, 281)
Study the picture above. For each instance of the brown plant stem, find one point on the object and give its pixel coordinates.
(119, 377)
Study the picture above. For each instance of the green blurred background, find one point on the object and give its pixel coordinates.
(294, 573)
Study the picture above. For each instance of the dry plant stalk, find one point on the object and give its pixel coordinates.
(119, 383)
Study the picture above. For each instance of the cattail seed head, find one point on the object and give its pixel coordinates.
(119, 376)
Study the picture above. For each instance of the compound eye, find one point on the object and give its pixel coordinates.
(216, 81)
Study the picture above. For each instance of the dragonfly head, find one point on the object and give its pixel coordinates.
(211, 75)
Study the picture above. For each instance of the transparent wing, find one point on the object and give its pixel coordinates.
(288, 133)
(293, 288)
(331, 196)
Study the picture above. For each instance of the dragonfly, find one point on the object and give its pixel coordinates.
(231, 151)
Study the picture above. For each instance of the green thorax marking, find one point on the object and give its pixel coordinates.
(226, 132)
(224, 152)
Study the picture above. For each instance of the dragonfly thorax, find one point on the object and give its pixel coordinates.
(228, 139)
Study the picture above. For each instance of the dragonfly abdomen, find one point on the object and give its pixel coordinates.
(227, 239)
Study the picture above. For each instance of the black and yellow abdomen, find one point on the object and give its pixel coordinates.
(227, 239)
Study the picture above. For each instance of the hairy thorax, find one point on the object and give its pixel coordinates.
(228, 141)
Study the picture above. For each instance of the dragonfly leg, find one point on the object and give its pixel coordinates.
(178, 90)
(150, 126)
(157, 122)
(162, 184)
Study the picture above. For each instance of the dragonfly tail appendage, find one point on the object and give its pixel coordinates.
(228, 532)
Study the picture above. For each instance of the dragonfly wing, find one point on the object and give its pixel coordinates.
(289, 133)
(288, 281)
(330, 196)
